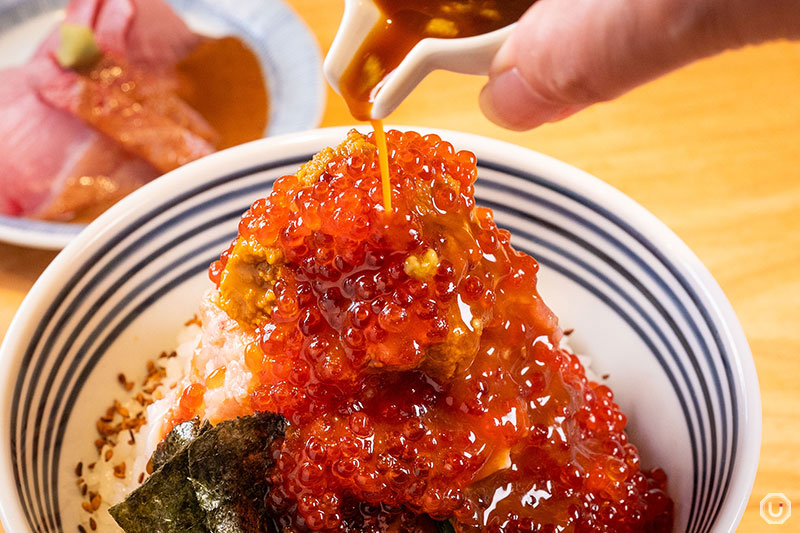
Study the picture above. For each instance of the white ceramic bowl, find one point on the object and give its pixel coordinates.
(641, 304)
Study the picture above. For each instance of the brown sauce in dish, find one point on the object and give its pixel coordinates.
(223, 81)
(403, 24)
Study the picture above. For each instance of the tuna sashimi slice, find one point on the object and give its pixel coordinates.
(146, 32)
(41, 175)
(154, 35)
(137, 110)
(104, 175)
(32, 167)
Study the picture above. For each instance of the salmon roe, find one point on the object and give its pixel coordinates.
(419, 370)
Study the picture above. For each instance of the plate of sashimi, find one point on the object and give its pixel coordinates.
(99, 97)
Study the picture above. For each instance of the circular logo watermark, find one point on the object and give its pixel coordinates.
(776, 508)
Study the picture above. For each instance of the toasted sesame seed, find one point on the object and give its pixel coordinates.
(96, 500)
(119, 470)
(194, 320)
(92, 524)
(81, 529)
(79, 469)
(123, 411)
(109, 453)
(104, 428)
(86, 506)
(127, 385)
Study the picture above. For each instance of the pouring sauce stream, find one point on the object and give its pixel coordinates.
(402, 24)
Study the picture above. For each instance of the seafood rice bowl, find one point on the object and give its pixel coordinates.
(372, 353)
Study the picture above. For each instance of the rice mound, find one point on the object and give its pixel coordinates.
(211, 341)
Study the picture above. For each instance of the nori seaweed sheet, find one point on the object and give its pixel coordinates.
(180, 436)
(164, 503)
(211, 479)
(228, 468)
(445, 527)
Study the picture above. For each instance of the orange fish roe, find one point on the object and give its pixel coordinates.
(216, 379)
(418, 368)
(190, 402)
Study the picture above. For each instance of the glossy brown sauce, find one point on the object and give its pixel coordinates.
(383, 164)
(223, 81)
(403, 24)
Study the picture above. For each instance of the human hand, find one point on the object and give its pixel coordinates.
(565, 55)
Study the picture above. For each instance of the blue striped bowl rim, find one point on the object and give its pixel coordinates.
(578, 227)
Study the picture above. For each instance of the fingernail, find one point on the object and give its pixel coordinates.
(509, 101)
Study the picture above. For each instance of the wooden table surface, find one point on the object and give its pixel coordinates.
(713, 150)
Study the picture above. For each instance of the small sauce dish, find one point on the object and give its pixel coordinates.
(467, 55)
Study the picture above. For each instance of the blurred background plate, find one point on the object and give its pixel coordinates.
(286, 48)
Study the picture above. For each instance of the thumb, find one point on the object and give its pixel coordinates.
(567, 54)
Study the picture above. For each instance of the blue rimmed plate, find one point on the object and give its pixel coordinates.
(288, 52)
(642, 306)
